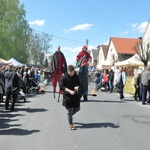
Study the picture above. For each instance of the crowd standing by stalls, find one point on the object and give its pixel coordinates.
(27, 78)
(114, 80)
(15, 79)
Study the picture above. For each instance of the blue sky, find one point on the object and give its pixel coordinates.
(73, 22)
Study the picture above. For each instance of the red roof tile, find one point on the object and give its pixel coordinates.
(124, 45)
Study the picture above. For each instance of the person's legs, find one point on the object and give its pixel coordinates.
(83, 76)
(110, 86)
(14, 98)
(59, 75)
(138, 93)
(70, 119)
(8, 96)
(75, 110)
(135, 93)
(85, 97)
(69, 114)
(144, 91)
(54, 80)
(120, 86)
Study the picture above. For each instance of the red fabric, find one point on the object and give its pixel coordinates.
(56, 76)
(60, 62)
(87, 58)
(105, 78)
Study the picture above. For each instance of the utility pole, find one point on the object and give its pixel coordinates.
(87, 42)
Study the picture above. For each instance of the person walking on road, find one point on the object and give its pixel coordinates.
(71, 100)
(58, 67)
(145, 82)
(121, 81)
(83, 71)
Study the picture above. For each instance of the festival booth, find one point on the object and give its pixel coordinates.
(3, 62)
(131, 64)
(107, 64)
(15, 62)
(133, 61)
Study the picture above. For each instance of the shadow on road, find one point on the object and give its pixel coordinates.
(31, 110)
(17, 131)
(96, 125)
(106, 101)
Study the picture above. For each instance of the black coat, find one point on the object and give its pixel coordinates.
(11, 80)
(53, 65)
(67, 81)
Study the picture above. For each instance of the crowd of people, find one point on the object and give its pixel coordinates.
(110, 80)
(107, 80)
(12, 79)
(142, 86)
(72, 85)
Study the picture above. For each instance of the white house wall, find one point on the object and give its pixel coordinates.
(146, 36)
(101, 58)
(111, 51)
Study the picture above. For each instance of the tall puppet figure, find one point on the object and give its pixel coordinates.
(85, 58)
(58, 67)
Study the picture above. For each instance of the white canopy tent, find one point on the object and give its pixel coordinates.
(3, 62)
(15, 62)
(106, 64)
(133, 61)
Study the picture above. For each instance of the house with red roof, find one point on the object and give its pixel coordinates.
(118, 49)
(102, 55)
(121, 48)
(93, 53)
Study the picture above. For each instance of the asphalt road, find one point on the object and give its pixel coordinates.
(103, 123)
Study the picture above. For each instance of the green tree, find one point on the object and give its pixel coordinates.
(38, 46)
(13, 30)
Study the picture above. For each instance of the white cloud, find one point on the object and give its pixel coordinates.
(134, 25)
(71, 49)
(85, 26)
(139, 27)
(92, 47)
(71, 60)
(125, 32)
(77, 49)
(142, 27)
(37, 22)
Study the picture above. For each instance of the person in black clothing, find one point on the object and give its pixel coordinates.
(137, 83)
(111, 80)
(97, 78)
(11, 87)
(70, 83)
(1, 86)
(121, 82)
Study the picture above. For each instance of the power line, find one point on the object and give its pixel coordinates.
(67, 39)
(121, 11)
(60, 37)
